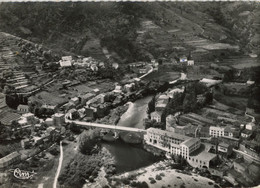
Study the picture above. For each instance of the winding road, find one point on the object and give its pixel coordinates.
(59, 167)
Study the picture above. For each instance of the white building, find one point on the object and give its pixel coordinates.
(216, 131)
(183, 59)
(156, 116)
(175, 144)
(23, 108)
(190, 62)
(65, 63)
(250, 126)
(170, 93)
(66, 58)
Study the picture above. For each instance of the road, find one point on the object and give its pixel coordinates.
(104, 126)
(253, 118)
(150, 71)
(182, 77)
(59, 167)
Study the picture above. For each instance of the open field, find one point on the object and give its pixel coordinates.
(48, 97)
(240, 62)
(169, 177)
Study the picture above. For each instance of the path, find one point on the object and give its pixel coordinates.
(182, 77)
(253, 118)
(59, 167)
(150, 71)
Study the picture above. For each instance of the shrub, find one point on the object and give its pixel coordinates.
(158, 177)
(153, 181)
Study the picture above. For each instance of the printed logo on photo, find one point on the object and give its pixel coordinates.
(22, 174)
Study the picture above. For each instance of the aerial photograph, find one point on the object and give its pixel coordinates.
(129, 94)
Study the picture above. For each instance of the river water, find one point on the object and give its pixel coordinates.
(130, 157)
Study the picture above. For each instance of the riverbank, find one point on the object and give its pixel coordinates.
(161, 175)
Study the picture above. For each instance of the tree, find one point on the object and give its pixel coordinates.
(151, 106)
(87, 141)
(189, 103)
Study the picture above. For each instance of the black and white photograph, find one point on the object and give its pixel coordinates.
(124, 94)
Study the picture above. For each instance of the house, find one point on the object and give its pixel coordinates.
(94, 67)
(231, 131)
(49, 121)
(190, 62)
(58, 119)
(250, 126)
(50, 129)
(25, 143)
(170, 121)
(101, 64)
(142, 70)
(246, 133)
(216, 131)
(23, 108)
(66, 58)
(50, 107)
(81, 112)
(118, 89)
(161, 102)
(115, 65)
(183, 59)
(86, 97)
(156, 116)
(170, 93)
(30, 118)
(96, 91)
(129, 87)
(188, 129)
(74, 100)
(10, 159)
(65, 63)
(225, 149)
(249, 82)
(89, 113)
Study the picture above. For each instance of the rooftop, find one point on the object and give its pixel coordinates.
(223, 144)
(169, 134)
(156, 113)
(58, 114)
(190, 142)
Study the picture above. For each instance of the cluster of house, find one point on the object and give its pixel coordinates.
(201, 141)
(86, 62)
(29, 121)
(162, 101)
(139, 67)
(95, 103)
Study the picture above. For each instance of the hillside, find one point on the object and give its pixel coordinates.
(133, 31)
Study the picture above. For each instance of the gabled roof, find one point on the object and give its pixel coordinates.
(156, 113)
(190, 142)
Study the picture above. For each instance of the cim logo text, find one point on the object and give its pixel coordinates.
(22, 174)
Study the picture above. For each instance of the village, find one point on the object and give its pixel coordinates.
(201, 117)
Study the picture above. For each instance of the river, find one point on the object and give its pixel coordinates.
(130, 157)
